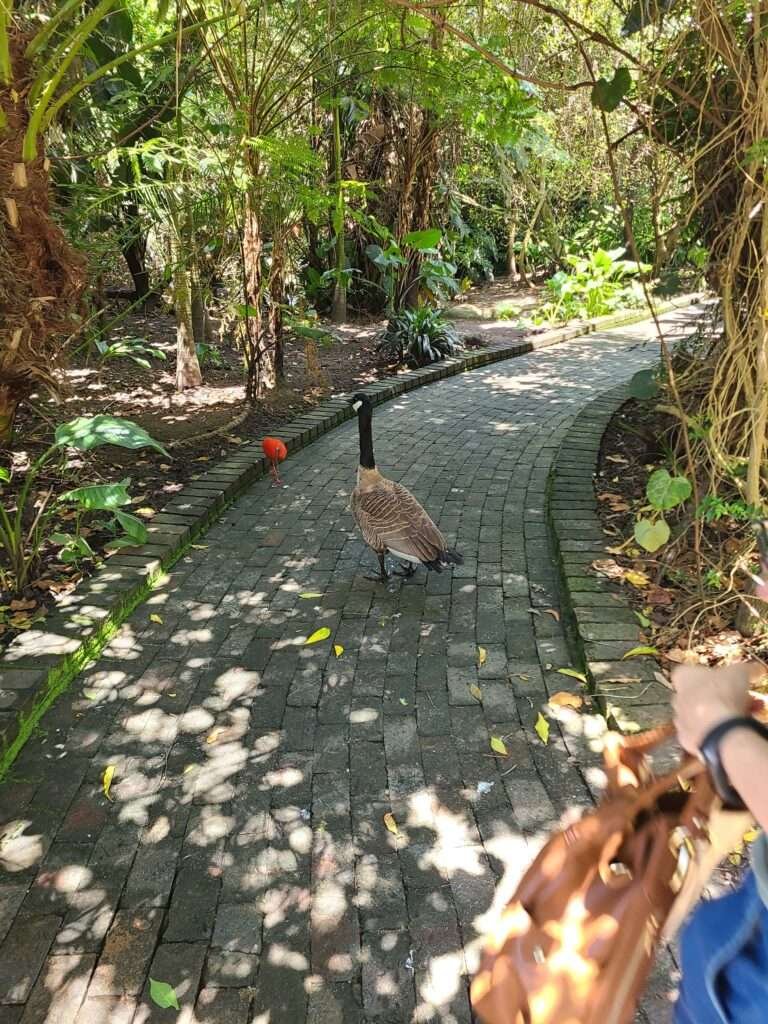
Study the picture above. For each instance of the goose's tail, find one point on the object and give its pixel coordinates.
(444, 559)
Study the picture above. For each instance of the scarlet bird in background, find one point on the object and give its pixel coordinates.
(275, 451)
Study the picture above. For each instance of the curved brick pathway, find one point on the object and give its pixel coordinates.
(243, 857)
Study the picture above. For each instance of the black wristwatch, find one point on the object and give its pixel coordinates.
(710, 751)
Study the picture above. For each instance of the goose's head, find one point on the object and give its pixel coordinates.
(360, 401)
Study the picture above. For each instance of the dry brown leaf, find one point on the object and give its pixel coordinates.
(554, 613)
(23, 605)
(658, 596)
(476, 692)
(682, 657)
(563, 699)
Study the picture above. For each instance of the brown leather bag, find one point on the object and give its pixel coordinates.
(576, 943)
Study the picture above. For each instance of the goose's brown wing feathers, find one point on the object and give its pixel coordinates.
(390, 518)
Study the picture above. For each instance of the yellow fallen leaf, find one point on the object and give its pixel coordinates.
(318, 635)
(563, 699)
(636, 652)
(189, 768)
(156, 618)
(554, 613)
(146, 512)
(212, 736)
(482, 655)
(199, 547)
(637, 579)
(572, 672)
(106, 779)
(542, 728)
(498, 746)
(476, 692)
(391, 824)
(308, 595)
(338, 650)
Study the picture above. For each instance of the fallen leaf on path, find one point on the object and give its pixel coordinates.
(391, 824)
(636, 652)
(320, 634)
(213, 736)
(310, 595)
(658, 596)
(106, 780)
(572, 672)
(482, 655)
(618, 459)
(156, 618)
(199, 547)
(145, 512)
(643, 620)
(498, 746)
(23, 605)
(563, 699)
(338, 650)
(161, 993)
(681, 657)
(608, 567)
(750, 835)
(555, 614)
(542, 728)
(476, 692)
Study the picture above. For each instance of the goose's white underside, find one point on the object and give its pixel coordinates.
(405, 558)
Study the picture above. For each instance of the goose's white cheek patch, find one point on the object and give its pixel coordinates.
(356, 406)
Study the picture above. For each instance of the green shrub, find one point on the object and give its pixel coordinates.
(596, 286)
(418, 337)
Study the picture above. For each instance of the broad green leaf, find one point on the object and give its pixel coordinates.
(665, 491)
(5, 476)
(572, 672)
(88, 432)
(542, 728)
(99, 496)
(421, 240)
(161, 993)
(106, 780)
(134, 527)
(651, 534)
(320, 634)
(644, 385)
(608, 95)
(246, 311)
(121, 542)
(498, 746)
(636, 652)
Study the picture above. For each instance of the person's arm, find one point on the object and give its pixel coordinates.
(704, 697)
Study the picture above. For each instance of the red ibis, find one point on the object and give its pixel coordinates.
(275, 451)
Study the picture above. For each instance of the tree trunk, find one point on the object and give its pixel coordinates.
(134, 254)
(259, 345)
(188, 373)
(511, 255)
(339, 307)
(201, 322)
(36, 262)
(9, 403)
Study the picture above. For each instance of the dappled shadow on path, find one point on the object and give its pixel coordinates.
(243, 852)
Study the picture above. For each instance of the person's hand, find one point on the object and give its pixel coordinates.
(704, 697)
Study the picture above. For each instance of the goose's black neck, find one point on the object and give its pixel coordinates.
(364, 425)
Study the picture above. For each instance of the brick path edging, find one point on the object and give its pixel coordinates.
(601, 625)
(41, 663)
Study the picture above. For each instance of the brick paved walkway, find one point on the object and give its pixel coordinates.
(243, 856)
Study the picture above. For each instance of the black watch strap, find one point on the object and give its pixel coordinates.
(710, 751)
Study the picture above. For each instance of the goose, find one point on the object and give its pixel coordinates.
(389, 517)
